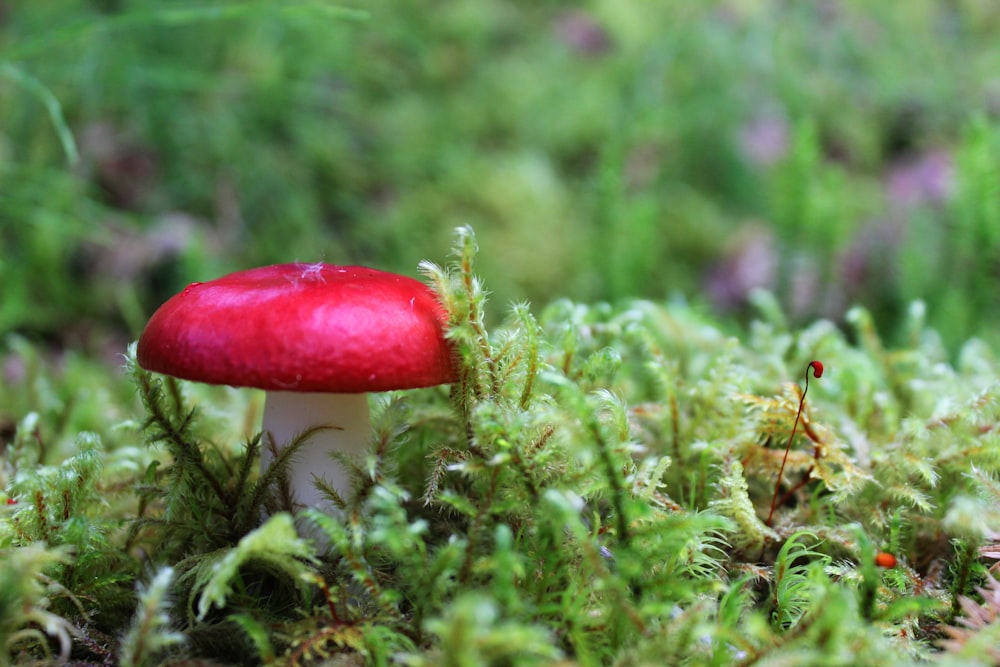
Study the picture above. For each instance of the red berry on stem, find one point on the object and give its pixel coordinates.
(817, 369)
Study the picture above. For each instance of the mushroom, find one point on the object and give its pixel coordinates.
(316, 338)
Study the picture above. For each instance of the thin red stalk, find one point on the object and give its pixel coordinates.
(817, 369)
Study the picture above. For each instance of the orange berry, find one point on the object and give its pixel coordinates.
(883, 559)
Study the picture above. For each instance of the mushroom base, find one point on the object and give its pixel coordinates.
(289, 414)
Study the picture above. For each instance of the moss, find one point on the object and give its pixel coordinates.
(594, 489)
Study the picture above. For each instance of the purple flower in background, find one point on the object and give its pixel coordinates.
(765, 139)
(582, 33)
(925, 178)
(750, 263)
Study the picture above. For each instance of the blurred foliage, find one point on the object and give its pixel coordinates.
(835, 153)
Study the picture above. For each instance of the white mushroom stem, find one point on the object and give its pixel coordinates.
(287, 415)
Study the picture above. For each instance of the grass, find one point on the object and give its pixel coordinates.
(679, 206)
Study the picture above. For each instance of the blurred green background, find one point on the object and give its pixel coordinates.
(833, 152)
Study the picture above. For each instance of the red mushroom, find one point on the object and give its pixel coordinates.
(317, 338)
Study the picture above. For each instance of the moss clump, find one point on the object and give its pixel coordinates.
(594, 489)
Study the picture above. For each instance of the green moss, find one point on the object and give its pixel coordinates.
(594, 489)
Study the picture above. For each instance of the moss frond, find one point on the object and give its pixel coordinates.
(732, 500)
(274, 546)
(151, 634)
(27, 624)
(975, 634)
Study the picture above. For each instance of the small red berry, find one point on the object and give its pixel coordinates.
(883, 559)
(817, 369)
(11, 501)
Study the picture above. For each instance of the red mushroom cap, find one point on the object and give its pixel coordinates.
(302, 327)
